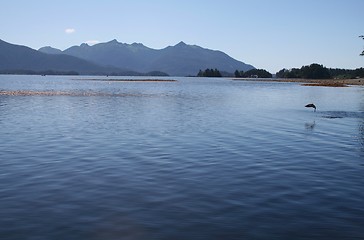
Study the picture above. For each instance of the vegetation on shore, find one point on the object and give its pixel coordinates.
(313, 71)
(317, 71)
(209, 73)
(253, 73)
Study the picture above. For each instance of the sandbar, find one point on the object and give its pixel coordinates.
(125, 80)
(311, 82)
(66, 93)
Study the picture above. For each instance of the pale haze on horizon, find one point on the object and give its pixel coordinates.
(267, 34)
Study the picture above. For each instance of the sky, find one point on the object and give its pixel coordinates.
(269, 34)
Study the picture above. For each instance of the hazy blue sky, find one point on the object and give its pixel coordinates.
(269, 34)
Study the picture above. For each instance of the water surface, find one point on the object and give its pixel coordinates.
(194, 159)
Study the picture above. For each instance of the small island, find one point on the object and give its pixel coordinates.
(312, 75)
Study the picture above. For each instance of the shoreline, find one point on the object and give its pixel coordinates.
(310, 82)
(50, 93)
(124, 80)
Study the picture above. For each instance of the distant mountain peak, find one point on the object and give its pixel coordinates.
(114, 41)
(50, 50)
(180, 60)
(137, 44)
(84, 45)
(181, 44)
(17, 58)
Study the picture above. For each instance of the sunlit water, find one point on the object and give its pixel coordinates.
(192, 159)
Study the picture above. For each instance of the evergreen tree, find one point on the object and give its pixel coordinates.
(216, 73)
(259, 73)
(209, 73)
(282, 73)
(315, 71)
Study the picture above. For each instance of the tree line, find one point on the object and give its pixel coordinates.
(253, 73)
(313, 71)
(209, 73)
(317, 71)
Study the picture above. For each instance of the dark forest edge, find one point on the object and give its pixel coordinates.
(317, 71)
(209, 73)
(313, 71)
(253, 73)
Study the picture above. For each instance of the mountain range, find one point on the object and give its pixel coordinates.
(118, 58)
(16, 58)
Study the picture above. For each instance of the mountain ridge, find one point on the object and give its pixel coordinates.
(180, 60)
(116, 58)
(17, 57)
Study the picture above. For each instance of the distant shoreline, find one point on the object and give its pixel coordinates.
(310, 82)
(124, 80)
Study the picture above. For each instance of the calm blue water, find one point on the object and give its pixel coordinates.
(192, 159)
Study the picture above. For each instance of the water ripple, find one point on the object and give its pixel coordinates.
(199, 159)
